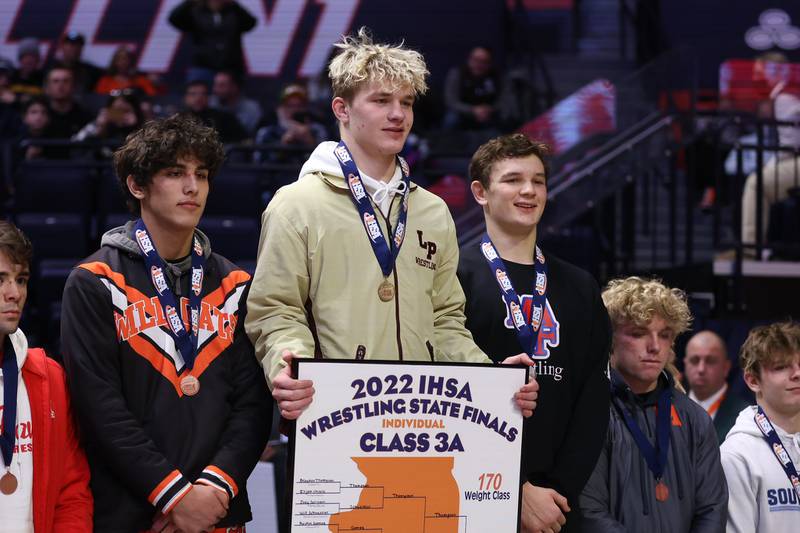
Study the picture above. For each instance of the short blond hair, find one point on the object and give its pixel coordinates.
(360, 62)
(637, 300)
(768, 346)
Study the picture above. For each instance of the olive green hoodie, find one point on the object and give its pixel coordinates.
(315, 289)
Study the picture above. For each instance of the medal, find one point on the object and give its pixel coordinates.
(385, 291)
(8, 483)
(190, 385)
(655, 456)
(662, 491)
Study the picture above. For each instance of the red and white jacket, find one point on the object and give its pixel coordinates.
(62, 501)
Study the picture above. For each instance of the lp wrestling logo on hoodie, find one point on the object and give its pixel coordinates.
(545, 319)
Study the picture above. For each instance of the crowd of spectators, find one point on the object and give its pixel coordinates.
(68, 99)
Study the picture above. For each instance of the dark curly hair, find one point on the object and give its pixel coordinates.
(513, 146)
(159, 144)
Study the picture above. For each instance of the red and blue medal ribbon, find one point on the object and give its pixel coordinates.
(10, 385)
(656, 457)
(386, 254)
(527, 331)
(186, 341)
(774, 441)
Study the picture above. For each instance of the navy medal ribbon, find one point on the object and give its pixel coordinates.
(386, 254)
(656, 457)
(773, 439)
(527, 331)
(186, 341)
(10, 385)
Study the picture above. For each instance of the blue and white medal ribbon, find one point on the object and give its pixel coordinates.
(185, 341)
(8, 482)
(775, 444)
(527, 331)
(655, 456)
(385, 253)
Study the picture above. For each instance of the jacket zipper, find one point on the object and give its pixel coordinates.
(389, 234)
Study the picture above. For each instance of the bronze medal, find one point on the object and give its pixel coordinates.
(190, 385)
(8, 483)
(385, 291)
(662, 491)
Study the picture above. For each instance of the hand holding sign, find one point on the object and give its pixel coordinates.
(526, 396)
(293, 395)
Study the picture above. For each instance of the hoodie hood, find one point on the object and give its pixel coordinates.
(122, 238)
(323, 161)
(746, 424)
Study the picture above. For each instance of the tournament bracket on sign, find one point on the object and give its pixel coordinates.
(407, 448)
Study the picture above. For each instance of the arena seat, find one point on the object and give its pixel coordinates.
(233, 237)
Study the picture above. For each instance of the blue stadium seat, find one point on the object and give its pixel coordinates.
(54, 187)
(235, 192)
(55, 235)
(236, 238)
(110, 198)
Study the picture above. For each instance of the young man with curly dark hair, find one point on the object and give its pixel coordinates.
(174, 409)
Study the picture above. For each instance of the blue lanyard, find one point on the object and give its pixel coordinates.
(185, 341)
(656, 458)
(527, 332)
(10, 382)
(775, 444)
(386, 254)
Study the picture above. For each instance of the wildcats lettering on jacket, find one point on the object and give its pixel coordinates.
(141, 322)
(146, 314)
(550, 327)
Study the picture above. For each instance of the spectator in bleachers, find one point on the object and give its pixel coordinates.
(27, 79)
(227, 96)
(7, 96)
(35, 119)
(291, 125)
(195, 99)
(120, 116)
(9, 118)
(782, 172)
(216, 28)
(122, 74)
(67, 117)
(707, 366)
(69, 55)
(472, 93)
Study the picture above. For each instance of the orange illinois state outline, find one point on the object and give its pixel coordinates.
(403, 495)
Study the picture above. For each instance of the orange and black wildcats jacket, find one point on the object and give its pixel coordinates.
(146, 441)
